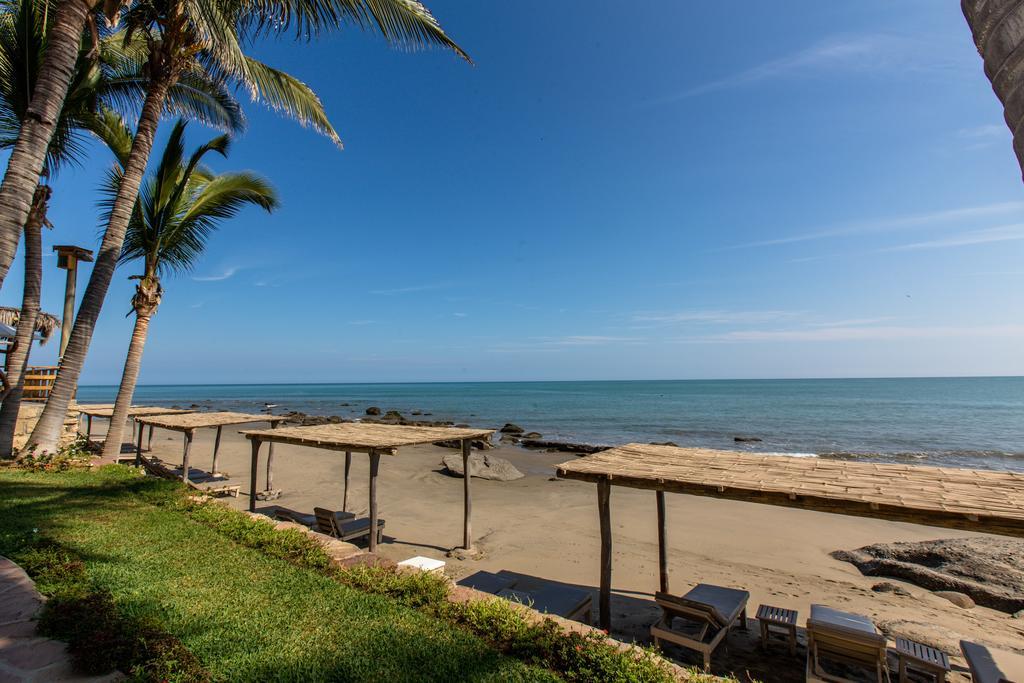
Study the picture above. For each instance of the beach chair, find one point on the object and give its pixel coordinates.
(559, 600)
(344, 525)
(707, 614)
(989, 665)
(846, 639)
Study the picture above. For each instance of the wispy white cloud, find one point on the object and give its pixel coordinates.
(991, 130)
(891, 224)
(591, 340)
(227, 273)
(410, 289)
(1003, 233)
(868, 53)
(844, 333)
(715, 317)
(460, 315)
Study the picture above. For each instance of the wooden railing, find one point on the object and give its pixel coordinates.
(38, 382)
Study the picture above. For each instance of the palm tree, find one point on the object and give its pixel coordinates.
(110, 80)
(206, 36)
(218, 25)
(180, 204)
(998, 32)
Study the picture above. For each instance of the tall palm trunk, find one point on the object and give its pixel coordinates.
(46, 435)
(29, 153)
(26, 320)
(145, 302)
(998, 29)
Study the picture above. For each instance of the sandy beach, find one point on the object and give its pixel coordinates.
(548, 528)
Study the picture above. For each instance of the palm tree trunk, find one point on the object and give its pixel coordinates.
(26, 161)
(998, 29)
(26, 320)
(119, 418)
(46, 435)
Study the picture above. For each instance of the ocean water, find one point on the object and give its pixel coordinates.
(966, 422)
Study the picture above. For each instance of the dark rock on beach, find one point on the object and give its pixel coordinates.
(373, 410)
(665, 443)
(747, 439)
(888, 587)
(483, 467)
(479, 444)
(532, 435)
(561, 446)
(986, 570)
(393, 415)
(511, 428)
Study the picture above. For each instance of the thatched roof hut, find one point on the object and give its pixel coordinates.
(46, 324)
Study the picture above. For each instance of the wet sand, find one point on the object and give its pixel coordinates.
(549, 529)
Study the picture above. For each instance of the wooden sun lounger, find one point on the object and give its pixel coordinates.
(344, 525)
(154, 466)
(843, 637)
(713, 610)
(989, 665)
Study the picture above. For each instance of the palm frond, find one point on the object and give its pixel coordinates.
(111, 129)
(292, 97)
(406, 23)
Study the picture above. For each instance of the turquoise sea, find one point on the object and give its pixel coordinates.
(975, 422)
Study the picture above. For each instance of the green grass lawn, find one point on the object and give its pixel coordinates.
(246, 615)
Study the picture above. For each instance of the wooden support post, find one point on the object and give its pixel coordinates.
(138, 451)
(467, 501)
(662, 544)
(149, 442)
(216, 448)
(374, 466)
(604, 490)
(348, 469)
(184, 457)
(253, 472)
(88, 426)
(270, 462)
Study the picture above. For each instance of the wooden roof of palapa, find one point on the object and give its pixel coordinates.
(976, 500)
(189, 421)
(134, 411)
(363, 437)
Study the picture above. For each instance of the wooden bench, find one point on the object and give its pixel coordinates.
(779, 620)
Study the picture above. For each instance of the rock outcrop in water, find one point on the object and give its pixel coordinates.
(986, 569)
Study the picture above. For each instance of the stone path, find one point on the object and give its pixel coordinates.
(25, 656)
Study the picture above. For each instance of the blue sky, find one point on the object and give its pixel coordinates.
(638, 190)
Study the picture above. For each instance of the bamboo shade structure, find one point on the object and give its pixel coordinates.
(374, 440)
(976, 500)
(188, 422)
(134, 411)
(181, 422)
(363, 437)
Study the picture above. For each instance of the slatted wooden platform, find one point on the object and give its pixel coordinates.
(977, 500)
